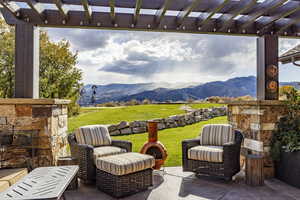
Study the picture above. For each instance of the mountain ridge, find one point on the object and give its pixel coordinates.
(234, 87)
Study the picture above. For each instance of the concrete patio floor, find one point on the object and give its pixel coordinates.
(175, 184)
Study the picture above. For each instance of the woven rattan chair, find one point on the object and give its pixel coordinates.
(216, 152)
(91, 142)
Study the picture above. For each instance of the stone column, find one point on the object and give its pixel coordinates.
(39, 130)
(257, 120)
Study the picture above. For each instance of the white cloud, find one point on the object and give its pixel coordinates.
(131, 57)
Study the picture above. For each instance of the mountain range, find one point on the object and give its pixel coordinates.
(161, 92)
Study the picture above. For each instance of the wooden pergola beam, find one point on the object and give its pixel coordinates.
(137, 10)
(204, 18)
(37, 7)
(12, 7)
(62, 9)
(287, 10)
(283, 30)
(87, 10)
(227, 20)
(112, 11)
(261, 9)
(186, 11)
(161, 12)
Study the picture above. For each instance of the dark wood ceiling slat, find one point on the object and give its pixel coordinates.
(37, 7)
(12, 7)
(227, 20)
(283, 29)
(62, 9)
(137, 10)
(204, 18)
(186, 11)
(87, 10)
(112, 11)
(161, 12)
(285, 11)
(281, 15)
(260, 10)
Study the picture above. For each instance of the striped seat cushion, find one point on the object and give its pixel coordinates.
(107, 151)
(125, 163)
(95, 135)
(206, 153)
(217, 134)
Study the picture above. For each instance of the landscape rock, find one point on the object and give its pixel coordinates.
(139, 130)
(122, 125)
(126, 131)
(173, 121)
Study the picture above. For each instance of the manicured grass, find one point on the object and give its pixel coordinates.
(91, 116)
(172, 138)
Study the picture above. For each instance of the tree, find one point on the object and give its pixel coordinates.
(59, 77)
(284, 90)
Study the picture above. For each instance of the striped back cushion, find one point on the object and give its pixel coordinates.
(95, 135)
(216, 134)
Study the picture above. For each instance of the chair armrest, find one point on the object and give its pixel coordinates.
(122, 144)
(231, 156)
(86, 162)
(186, 145)
(189, 143)
(85, 152)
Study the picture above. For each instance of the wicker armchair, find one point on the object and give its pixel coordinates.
(207, 156)
(85, 154)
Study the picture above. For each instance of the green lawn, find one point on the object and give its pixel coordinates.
(171, 138)
(91, 116)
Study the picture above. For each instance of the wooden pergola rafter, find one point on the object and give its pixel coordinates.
(243, 17)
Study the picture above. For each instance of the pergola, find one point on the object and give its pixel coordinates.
(265, 19)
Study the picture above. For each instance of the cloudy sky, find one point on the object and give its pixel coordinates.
(134, 57)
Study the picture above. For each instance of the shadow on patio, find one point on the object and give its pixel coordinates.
(175, 184)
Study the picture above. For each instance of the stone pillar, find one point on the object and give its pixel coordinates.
(37, 129)
(257, 120)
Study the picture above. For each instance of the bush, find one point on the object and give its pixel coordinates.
(146, 101)
(287, 136)
(132, 102)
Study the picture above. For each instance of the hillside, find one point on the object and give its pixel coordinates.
(234, 87)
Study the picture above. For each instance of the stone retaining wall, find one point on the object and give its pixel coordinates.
(192, 117)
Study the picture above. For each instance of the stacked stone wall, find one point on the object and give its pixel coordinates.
(192, 117)
(257, 120)
(35, 132)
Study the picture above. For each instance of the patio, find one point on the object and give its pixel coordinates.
(176, 184)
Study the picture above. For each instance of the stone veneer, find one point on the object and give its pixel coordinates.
(257, 120)
(44, 120)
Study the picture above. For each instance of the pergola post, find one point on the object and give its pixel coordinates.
(267, 68)
(26, 61)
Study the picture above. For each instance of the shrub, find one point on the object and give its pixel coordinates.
(287, 135)
(146, 101)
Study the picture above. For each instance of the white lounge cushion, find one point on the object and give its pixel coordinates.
(217, 134)
(206, 153)
(125, 163)
(95, 135)
(107, 151)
